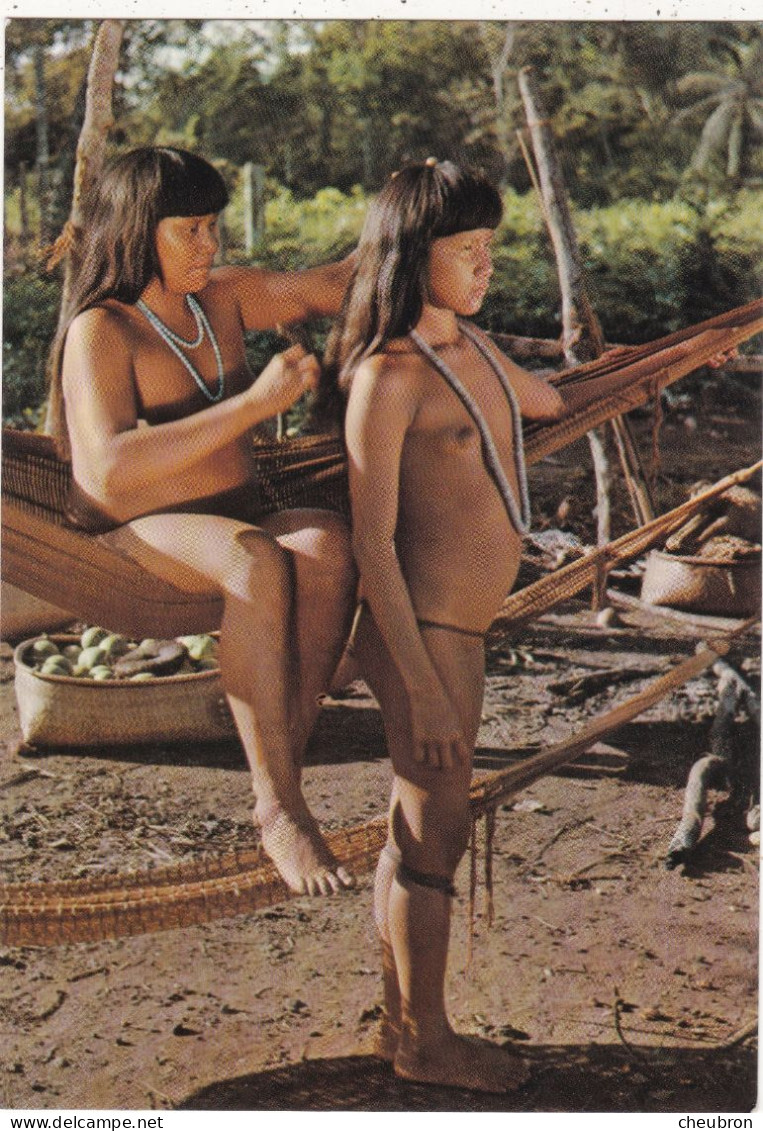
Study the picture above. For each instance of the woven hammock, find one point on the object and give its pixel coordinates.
(79, 573)
(186, 894)
(47, 558)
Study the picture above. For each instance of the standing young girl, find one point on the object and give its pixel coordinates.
(439, 507)
(154, 402)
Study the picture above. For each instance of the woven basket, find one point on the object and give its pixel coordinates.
(69, 711)
(701, 585)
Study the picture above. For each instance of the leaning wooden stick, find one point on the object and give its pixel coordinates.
(495, 788)
(540, 597)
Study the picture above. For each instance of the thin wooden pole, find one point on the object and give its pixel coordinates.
(582, 336)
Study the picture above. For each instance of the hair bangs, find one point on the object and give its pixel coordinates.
(188, 185)
(468, 201)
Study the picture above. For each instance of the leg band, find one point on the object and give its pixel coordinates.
(406, 875)
(474, 633)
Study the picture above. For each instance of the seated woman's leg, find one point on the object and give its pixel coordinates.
(258, 667)
(320, 550)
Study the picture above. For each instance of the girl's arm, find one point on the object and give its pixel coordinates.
(538, 400)
(266, 298)
(126, 464)
(381, 408)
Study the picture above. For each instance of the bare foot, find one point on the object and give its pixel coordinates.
(300, 854)
(463, 1062)
(387, 1039)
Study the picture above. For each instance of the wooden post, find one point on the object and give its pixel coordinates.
(91, 151)
(91, 145)
(23, 209)
(254, 206)
(43, 146)
(582, 337)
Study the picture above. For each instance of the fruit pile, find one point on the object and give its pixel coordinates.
(103, 655)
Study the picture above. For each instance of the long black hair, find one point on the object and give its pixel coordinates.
(421, 203)
(113, 255)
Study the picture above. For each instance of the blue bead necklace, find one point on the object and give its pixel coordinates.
(178, 344)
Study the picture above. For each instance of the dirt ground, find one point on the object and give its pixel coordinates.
(628, 986)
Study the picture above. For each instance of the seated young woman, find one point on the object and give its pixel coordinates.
(153, 399)
(439, 506)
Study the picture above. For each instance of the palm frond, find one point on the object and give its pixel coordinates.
(702, 82)
(715, 134)
(698, 109)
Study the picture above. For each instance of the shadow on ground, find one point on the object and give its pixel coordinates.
(564, 1079)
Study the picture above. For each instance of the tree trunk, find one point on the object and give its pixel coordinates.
(91, 150)
(23, 211)
(43, 143)
(498, 65)
(91, 147)
(582, 337)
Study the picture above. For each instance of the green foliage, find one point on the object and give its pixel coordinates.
(30, 311)
(300, 233)
(640, 259)
(330, 108)
(733, 227)
(655, 267)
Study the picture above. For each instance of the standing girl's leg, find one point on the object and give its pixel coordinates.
(259, 662)
(429, 828)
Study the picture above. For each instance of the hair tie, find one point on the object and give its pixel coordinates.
(62, 245)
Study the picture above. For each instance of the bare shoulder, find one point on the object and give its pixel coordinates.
(392, 372)
(226, 280)
(108, 326)
(385, 395)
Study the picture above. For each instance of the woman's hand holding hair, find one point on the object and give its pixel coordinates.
(284, 380)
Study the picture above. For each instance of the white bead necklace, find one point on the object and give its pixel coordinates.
(178, 344)
(519, 513)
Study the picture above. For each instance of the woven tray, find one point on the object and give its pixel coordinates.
(718, 588)
(68, 711)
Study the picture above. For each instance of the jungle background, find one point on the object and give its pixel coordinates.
(658, 128)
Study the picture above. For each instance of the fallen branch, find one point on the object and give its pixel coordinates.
(575, 689)
(729, 764)
(708, 772)
(741, 1035)
(494, 788)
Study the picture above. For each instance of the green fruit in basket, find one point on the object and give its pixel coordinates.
(43, 648)
(200, 647)
(89, 658)
(100, 671)
(72, 652)
(141, 677)
(114, 646)
(56, 665)
(93, 635)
